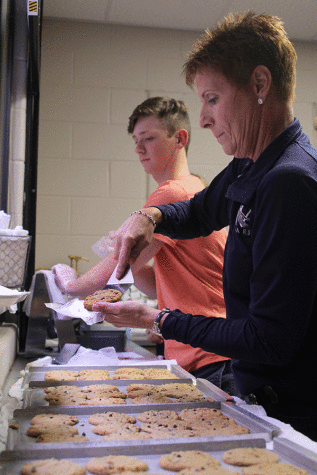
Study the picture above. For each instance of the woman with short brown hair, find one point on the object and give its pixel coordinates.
(244, 71)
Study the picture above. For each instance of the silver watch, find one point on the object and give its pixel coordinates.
(156, 324)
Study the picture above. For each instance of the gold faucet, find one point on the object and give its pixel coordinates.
(76, 259)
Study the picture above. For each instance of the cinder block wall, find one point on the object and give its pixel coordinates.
(92, 77)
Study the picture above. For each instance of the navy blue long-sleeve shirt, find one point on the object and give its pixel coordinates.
(270, 268)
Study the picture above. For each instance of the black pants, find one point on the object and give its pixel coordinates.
(159, 349)
(288, 408)
(303, 420)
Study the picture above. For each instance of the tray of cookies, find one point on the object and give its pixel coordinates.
(221, 457)
(41, 427)
(64, 374)
(78, 393)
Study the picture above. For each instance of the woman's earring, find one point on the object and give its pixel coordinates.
(260, 101)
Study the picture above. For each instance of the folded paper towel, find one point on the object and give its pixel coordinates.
(11, 296)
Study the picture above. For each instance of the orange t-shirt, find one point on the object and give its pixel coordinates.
(189, 273)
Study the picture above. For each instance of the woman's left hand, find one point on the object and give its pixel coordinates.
(127, 314)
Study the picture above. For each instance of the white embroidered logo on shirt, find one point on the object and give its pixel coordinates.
(243, 220)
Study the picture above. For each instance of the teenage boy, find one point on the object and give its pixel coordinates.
(186, 274)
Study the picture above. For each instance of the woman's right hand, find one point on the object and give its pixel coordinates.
(132, 237)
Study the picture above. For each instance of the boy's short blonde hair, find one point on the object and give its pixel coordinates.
(172, 113)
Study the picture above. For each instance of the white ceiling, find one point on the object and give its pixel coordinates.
(299, 16)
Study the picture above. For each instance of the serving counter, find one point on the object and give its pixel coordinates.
(258, 430)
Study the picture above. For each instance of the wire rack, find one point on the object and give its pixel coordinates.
(14, 252)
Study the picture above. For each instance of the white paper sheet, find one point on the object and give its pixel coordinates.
(75, 309)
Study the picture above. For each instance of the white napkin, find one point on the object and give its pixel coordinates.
(4, 220)
(75, 309)
(10, 297)
(103, 357)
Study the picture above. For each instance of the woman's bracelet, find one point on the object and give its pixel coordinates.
(147, 215)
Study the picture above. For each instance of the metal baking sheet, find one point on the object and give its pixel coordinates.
(18, 439)
(35, 396)
(11, 462)
(36, 375)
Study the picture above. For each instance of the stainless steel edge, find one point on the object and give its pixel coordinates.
(210, 389)
(88, 410)
(38, 373)
(148, 447)
(111, 382)
(296, 454)
(181, 372)
(240, 414)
